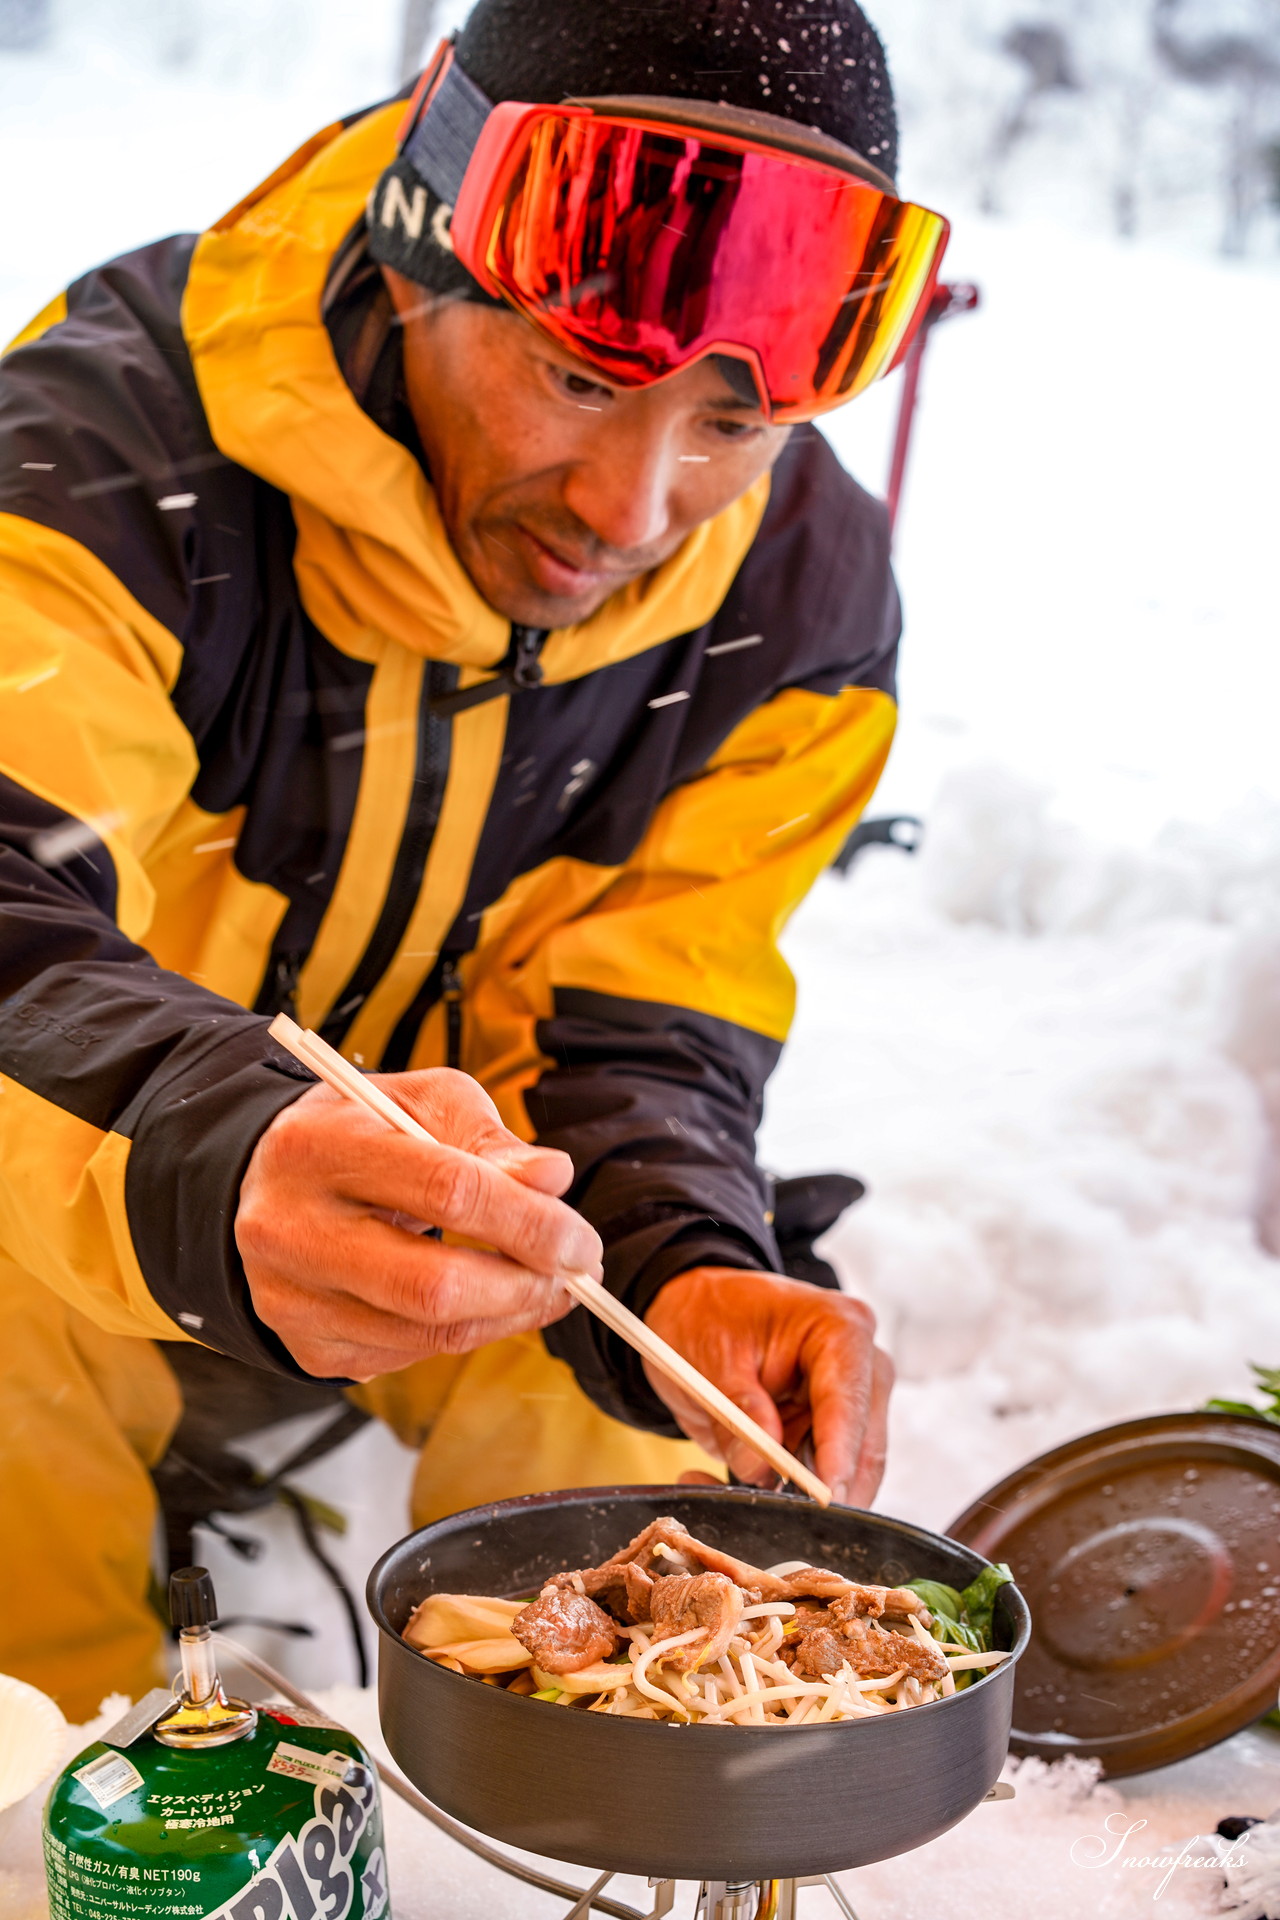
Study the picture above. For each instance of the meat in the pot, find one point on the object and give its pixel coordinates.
(565, 1631)
(871, 1651)
(682, 1603)
(667, 1547)
(819, 1652)
(622, 1591)
(874, 1602)
(663, 1547)
(816, 1583)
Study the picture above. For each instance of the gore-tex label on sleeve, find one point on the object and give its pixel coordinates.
(109, 1778)
(301, 1763)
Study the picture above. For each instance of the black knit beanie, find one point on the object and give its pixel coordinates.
(818, 62)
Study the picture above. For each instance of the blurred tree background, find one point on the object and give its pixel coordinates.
(1157, 119)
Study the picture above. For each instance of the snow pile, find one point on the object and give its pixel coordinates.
(995, 853)
(1056, 1061)
(22, 1892)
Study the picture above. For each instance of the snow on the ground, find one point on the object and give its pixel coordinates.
(1050, 1058)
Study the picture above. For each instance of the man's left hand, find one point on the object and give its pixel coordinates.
(797, 1358)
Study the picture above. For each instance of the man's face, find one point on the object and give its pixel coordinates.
(556, 488)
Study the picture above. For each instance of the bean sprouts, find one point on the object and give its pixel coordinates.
(749, 1688)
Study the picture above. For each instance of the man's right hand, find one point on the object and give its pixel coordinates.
(352, 1295)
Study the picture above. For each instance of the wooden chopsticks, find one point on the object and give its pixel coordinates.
(326, 1062)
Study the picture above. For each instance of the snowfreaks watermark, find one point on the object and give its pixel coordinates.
(1108, 1849)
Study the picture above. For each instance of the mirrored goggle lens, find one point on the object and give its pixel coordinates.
(642, 249)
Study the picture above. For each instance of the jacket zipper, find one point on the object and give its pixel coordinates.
(523, 668)
(451, 994)
(526, 655)
(280, 995)
(519, 670)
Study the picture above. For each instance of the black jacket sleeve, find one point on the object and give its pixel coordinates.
(179, 1082)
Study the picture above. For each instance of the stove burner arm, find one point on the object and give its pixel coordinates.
(583, 1900)
(763, 1899)
(663, 1900)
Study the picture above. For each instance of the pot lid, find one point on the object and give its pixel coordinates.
(1149, 1554)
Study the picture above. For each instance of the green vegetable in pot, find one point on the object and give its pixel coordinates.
(979, 1601)
(949, 1623)
(938, 1599)
(965, 1618)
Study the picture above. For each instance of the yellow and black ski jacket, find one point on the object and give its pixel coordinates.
(232, 779)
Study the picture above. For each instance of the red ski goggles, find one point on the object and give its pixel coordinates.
(644, 234)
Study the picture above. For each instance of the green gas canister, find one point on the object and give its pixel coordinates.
(196, 1804)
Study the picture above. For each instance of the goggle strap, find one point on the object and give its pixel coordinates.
(441, 145)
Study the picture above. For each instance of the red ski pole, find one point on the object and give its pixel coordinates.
(947, 302)
(905, 829)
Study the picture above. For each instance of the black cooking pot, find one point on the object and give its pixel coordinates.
(682, 1802)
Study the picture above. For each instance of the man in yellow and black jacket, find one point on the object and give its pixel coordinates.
(364, 656)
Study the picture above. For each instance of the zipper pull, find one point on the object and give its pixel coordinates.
(527, 644)
(451, 994)
(520, 671)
